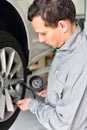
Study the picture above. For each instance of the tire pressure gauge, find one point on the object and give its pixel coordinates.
(36, 83)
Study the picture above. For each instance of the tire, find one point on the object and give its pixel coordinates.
(12, 73)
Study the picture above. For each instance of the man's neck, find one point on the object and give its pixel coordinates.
(70, 32)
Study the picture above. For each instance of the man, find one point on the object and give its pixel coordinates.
(66, 96)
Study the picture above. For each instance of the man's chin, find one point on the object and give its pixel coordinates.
(53, 46)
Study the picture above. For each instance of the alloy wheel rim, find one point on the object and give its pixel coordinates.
(11, 73)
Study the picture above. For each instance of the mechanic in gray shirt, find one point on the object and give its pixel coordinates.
(66, 95)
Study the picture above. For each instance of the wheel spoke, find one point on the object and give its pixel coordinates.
(16, 96)
(3, 60)
(19, 88)
(15, 69)
(15, 81)
(2, 106)
(10, 62)
(9, 103)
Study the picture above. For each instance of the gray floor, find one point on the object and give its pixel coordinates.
(26, 120)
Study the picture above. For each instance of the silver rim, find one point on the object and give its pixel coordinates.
(11, 75)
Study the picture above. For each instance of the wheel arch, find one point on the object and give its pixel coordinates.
(11, 21)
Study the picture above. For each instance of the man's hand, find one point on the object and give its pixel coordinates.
(42, 93)
(23, 104)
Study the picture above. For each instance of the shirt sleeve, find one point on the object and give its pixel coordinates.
(61, 116)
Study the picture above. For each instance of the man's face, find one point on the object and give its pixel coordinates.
(51, 36)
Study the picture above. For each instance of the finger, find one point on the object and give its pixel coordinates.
(19, 102)
(20, 106)
(39, 93)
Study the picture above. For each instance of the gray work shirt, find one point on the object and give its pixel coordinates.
(66, 99)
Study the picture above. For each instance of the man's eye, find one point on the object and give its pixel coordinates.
(43, 34)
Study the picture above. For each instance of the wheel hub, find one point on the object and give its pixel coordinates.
(6, 82)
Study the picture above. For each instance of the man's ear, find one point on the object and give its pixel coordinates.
(62, 24)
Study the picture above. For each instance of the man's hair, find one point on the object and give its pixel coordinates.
(52, 11)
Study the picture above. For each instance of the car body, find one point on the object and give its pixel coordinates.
(19, 49)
